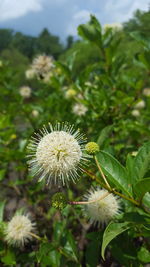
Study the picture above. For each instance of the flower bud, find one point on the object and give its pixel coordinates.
(59, 201)
(92, 148)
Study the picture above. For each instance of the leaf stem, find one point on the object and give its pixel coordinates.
(101, 172)
(111, 190)
(89, 202)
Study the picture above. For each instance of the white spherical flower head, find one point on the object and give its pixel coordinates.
(25, 91)
(101, 211)
(57, 156)
(146, 91)
(19, 230)
(30, 74)
(140, 104)
(42, 65)
(79, 109)
(135, 113)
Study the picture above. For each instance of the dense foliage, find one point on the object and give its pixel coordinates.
(102, 86)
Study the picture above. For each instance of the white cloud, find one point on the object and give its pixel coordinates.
(120, 11)
(79, 17)
(11, 9)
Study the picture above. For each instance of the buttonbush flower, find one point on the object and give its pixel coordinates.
(35, 113)
(146, 91)
(57, 156)
(79, 109)
(42, 65)
(140, 104)
(19, 230)
(25, 91)
(101, 211)
(30, 74)
(135, 113)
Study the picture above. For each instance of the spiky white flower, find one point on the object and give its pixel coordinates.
(25, 91)
(35, 113)
(42, 65)
(19, 230)
(140, 104)
(30, 74)
(146, 91)
(135, 113)
(79, 109)
(57, 156)
(103, 210)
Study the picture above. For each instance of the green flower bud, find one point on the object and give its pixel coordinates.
(70, 93)
(59, 201)
(92, 148)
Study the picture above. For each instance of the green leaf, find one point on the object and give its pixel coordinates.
(142, 187)
(9, 258)
(104, 134)
(111, 231)
(91, 31)
(115, 172)
(144, 255)
(70, 249)
(2, 205)
(2, 174)
(142, 162)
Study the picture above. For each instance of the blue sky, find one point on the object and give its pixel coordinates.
(62, 17)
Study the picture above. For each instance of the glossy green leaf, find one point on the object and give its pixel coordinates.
(115, 172)
(142, 162)
(104, 134)
(144, 255)
(142, 187)
(111, 231)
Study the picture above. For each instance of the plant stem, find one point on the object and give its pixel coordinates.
(34, 235)
(89, 202)
(101, 172)
(111, 190)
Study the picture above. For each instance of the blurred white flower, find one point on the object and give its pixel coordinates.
(103, 210)
(135, 113)
(42, 65)
(25, 91)
(19, 230)
(146, 92)
(35, 113)
(57, 155)
(79, 109)
(30, 74)
(140, 104)
(114, 26)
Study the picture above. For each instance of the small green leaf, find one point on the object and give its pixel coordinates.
(144, 255)
(111, 231)
(9, 258)
(142, 162)
(142, 187)
(104, 134)
(2, 205)
(115, 172)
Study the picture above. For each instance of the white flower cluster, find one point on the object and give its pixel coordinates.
(41, 67)
(79, 109)
(57, 155)
(114, 26)
(25, 91)
(19, 230)
(136, 111)
(100, 211)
